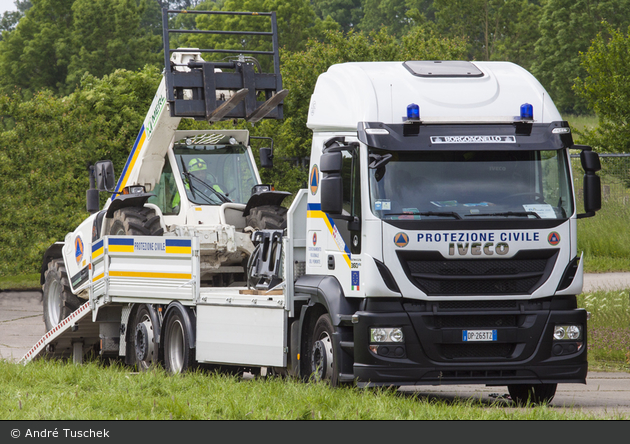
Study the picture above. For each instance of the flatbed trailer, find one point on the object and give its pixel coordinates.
(241, 326)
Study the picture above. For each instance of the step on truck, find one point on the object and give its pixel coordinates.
(435, 243)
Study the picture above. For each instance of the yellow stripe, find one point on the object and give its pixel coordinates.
(178, 250)
(121, 248)
(133, 160)
(97, 253)
(347, 259)
(141, 274)
(99, 277)
(316, 214)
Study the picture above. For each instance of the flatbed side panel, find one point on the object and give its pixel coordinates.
(62, 336)
(242, 329)
(147, 269)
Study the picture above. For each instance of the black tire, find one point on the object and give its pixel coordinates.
(322, 359)
(59, 302)
(532, 394)
(267, 217)
(144, 337)
(179, 357)
(138, 221)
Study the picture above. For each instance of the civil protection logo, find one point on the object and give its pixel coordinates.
(553, 238)
(78, 249)
(314, 239)
(314, 179)
(401, 239)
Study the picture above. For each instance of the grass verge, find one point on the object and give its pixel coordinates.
(20, 282)
(53, 390)
(608, 329)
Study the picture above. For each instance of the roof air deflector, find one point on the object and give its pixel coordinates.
(442, 68)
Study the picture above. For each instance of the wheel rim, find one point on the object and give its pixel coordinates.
(176, 350)
(322, 358)
(53, 303)
(144, 342)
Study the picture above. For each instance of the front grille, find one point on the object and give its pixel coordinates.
(473, 350)
(464, 321)
(437, 276)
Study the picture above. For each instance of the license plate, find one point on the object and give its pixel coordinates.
(479, 335)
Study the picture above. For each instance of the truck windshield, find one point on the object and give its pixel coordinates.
(214, 174)
(467, 185)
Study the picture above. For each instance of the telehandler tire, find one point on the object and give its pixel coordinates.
(59, 302)
(267, 217)
(138, 221)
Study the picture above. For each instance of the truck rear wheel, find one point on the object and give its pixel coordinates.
(145, 338)
(532, 394)
(267, 217)
(139, 221)
(59, 302)
(321, 354)
(178, 354)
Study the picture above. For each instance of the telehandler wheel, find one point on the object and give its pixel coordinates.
(323, 364)
(140, 221)
(267, 217)
(532, 394)
(145, 338)
(178, 354)
(59, 302)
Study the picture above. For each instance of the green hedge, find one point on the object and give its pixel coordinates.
(47, 144)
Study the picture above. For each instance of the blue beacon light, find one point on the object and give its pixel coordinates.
(527, 111)
(413, 112)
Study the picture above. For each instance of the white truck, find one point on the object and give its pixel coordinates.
(435, 243)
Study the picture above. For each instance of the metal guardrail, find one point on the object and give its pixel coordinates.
(615, 177)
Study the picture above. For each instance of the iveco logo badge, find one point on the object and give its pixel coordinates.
(401, 240)
(78, 249)
(314, 180)
(553, 238)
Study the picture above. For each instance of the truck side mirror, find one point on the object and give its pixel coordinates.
(266, 157)
(104, 173)
(93, 203)
(592, 183)
(332, 182)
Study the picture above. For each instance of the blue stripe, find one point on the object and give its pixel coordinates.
(177, 243)
(122, 175)
(318, 207)
(118, 241)
(97, 245)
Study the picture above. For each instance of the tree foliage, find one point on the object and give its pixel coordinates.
(57, 41)
(606, 89)
(567, 28)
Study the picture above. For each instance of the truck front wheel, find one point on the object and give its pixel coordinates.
(321, 354)
(59, 302)
(532, 394)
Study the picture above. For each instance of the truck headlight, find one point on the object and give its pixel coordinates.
(567, 332)
(387, 334)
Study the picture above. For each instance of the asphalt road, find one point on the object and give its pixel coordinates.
(604, 394)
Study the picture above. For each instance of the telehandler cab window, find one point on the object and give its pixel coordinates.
(215, 174)
(470, 185)
(166, 197)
